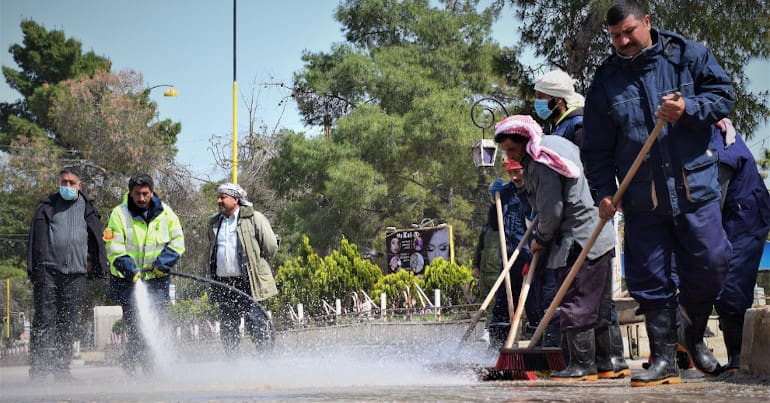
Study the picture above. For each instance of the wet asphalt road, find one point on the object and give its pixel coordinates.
(351, 377)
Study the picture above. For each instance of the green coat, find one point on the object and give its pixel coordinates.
(489, 262)
(488, 255)
(256, 245)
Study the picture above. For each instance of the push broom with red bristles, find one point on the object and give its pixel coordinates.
(522, 364)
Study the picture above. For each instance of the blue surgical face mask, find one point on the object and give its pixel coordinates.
(541, 108)
(68, 193)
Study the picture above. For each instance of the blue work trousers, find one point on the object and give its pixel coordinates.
(694, 241)
(738, 292)
(500, 307)
(546, 285)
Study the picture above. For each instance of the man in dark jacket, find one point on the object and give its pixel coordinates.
(672, 203)
(514, 213)
(746, 219)
(557, 102)
(65, 248)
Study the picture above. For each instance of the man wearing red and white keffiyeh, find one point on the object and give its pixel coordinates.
(525, 126)
(559, 192)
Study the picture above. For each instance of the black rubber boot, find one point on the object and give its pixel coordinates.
(564, 346)
(582, 350)
(661, 330)
(498, 331)
(732, 331)
(609, 353)
(693, 327)
(552, 336)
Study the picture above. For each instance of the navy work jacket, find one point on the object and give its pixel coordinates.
(680, 172)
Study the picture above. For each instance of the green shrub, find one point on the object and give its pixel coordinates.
(193, 311)
(310, 278)
(453, 280)
(394, 285)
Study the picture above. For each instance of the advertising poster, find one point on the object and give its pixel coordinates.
(412, 249)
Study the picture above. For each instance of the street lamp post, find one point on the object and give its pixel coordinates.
(8, 308)
(170, 92)
(483, 117)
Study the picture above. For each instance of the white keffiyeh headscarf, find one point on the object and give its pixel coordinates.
(524, 125)
(234, 190)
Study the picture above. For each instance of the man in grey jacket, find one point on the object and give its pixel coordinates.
(558, 191)
(241, 243)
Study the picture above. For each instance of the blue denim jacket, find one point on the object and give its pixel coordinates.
(680, 172)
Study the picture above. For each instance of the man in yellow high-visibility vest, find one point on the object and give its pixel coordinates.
(144, 240)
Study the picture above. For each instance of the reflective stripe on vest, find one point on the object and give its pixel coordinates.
(144, 255)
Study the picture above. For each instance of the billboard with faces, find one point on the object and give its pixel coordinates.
(413, 249)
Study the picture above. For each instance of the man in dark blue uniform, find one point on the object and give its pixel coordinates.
(673, 202)
(746, 219)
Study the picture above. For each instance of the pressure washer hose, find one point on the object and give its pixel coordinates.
(210, 281)
(257, 304)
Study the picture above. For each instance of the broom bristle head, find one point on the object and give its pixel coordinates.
(535, 359)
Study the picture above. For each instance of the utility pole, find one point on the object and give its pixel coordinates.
(235, 105)
(8, 308)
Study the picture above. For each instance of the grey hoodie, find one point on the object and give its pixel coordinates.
(565, 206)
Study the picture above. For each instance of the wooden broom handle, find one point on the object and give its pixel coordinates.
(513, 333)
(514, 256)
(595, 235)
(476, 316)
(504, 253)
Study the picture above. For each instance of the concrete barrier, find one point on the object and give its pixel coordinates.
(755, 350)
(377, 335)
(104, 318)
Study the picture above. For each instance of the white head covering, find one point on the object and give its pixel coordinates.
(559, 84)
(234, 190)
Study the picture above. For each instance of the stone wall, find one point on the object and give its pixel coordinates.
(755, 350)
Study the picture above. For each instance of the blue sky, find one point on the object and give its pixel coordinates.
(188, 43)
